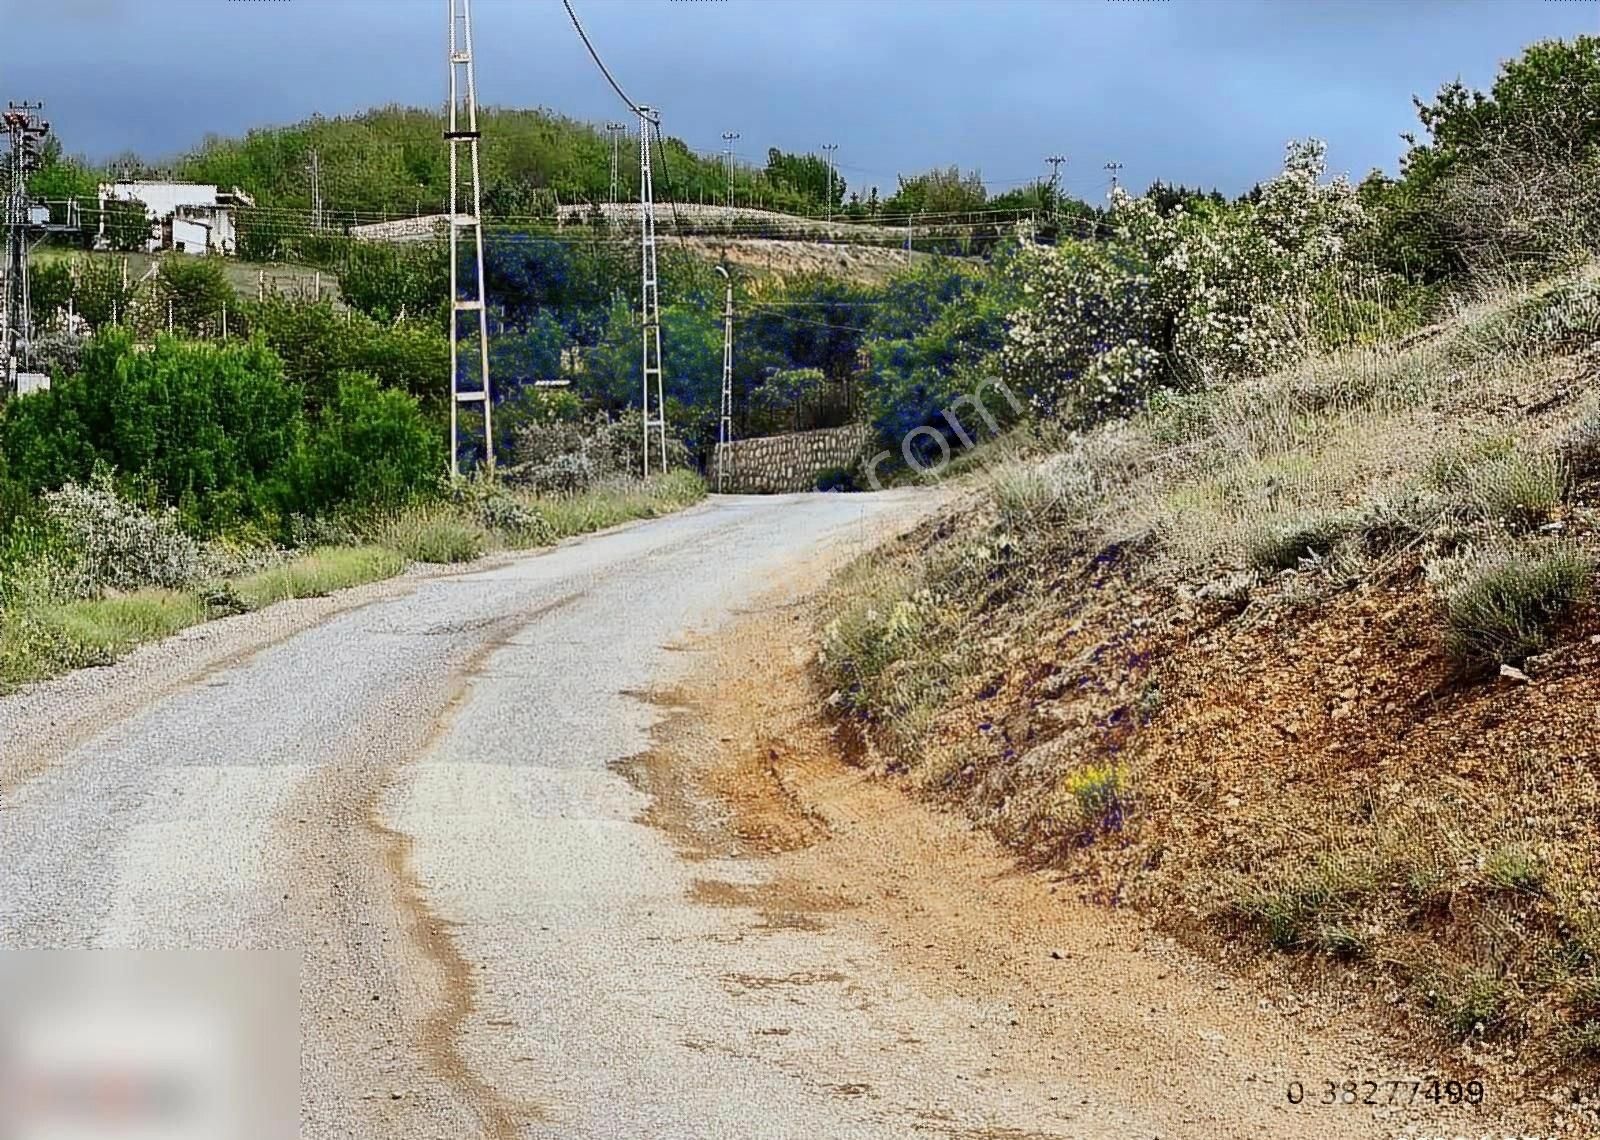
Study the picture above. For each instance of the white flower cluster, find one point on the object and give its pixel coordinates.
(1226, 291)
(1082, 339)
(115, 545)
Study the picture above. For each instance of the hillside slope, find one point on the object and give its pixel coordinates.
(1303, 667)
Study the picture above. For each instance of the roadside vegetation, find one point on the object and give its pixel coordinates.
(94, 574)
(1278, 619)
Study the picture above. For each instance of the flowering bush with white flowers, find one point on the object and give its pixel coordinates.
(1184, 297)
(116, 545)
(1084, 336)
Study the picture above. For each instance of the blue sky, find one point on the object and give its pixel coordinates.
(1195, 91)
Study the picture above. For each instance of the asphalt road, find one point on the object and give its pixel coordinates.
(411, 785)
(424, 788)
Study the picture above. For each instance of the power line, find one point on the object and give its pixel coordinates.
(594, 55)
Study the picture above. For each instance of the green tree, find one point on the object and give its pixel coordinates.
(49, 290)
(194, 290)
(317, 343)
(383, 281)
(1504, 176)
(69, 188)
(98, 291)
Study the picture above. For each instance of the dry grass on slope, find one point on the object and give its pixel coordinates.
(1238, 662)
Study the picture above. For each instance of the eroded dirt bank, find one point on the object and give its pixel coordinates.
(1085, 1000)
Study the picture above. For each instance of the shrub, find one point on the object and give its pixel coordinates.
(1282, 543)
(195, 290)
(837, 479)
(1099, 793)
(1189, 294)
(1492, 480)
(1469, 1004)
(371, 446)
(1501, 607)
(114, 544)
(496, 508)
(1312, 912)
(560, 456)
(210, 428)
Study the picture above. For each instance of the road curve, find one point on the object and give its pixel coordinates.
(412, 785)
(431, 789)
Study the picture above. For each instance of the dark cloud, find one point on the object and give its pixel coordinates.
(1200, 91)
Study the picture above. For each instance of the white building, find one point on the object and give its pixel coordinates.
(187, 217)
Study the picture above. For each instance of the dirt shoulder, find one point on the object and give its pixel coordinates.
(1090, 996)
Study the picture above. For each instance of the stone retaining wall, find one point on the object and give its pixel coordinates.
(778, 464)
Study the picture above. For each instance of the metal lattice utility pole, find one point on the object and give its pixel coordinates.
(725, 428)
(649, 297)
(25, 132)
(464, 98)
(830, 148)
(616, 131)
(728, 137)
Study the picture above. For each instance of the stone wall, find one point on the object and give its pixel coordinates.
(777, 464)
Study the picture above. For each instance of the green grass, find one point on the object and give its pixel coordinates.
(1313, 911)
(1470, 1003)
(113, 625)
(435, 534)
(320, 572)
(608, 506)
(40, 641)
(1513, 869)
(1280, 543)
(284, 278)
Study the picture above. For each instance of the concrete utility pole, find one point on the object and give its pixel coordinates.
(649, 296)
(728, 137)
(725, 429)
(1113, 167)
(830, 148)
(316, 193)
(616, 131)
(1055, 161)
(464, 98)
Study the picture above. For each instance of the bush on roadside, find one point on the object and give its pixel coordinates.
(837, 479)
(114, 544)
(209, 428)
(556, 456)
